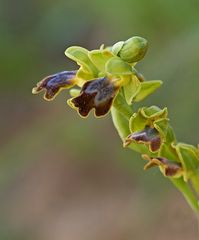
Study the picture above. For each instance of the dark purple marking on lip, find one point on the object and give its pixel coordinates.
(170, 168)
(148, 135)
(97, 94)
(54, 83)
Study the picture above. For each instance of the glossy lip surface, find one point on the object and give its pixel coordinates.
(54, 83)
(97, 94)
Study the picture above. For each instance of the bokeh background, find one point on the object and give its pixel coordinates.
(64, 178)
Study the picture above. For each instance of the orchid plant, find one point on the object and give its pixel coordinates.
(107, 81)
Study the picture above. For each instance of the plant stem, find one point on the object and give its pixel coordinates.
(185, 189)
(195, 182)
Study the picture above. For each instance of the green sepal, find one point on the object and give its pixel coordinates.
(137, 122)
(170, 136)
(80, 56)
(116, 66)
(161, 125)
(152, 116)
(154, 112)
(169, 152)
(189, 159)
(147, 88)
(131, 89)
(117, 47)
(99, 58)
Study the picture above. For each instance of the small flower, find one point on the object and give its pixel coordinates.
(148, 135)
(149, 126)
(53, 84)
(167, 167)
(98, 94)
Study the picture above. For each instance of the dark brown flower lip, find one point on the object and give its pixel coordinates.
(170, 168)
(98, 94)
(54, 83)
(148, 135)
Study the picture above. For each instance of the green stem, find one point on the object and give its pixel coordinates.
(120, 122)
(120, 104)
(195, 182)
(185, 189)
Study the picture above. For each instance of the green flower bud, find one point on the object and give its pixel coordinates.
(133, 50)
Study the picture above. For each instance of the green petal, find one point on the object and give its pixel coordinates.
(80, 55)
(82, 74)
(99, 58)
(147, 88)
(131, 89)
(116, 66)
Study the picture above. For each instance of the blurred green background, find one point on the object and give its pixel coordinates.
(62, 177)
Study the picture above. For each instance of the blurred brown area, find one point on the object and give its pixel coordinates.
(62, 177)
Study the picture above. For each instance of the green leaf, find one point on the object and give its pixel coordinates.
(116, 66)
(131, 89)
(99, 58)
(80, 55)
(147, 88)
